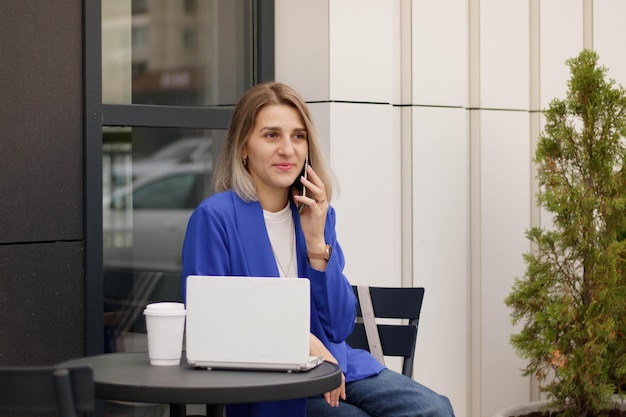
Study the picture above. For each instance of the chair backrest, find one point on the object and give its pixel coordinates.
(395, 339)
(47, 390)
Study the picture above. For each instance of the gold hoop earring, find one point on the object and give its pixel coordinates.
(244, 161)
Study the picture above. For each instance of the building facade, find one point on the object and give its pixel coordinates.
(429, 111)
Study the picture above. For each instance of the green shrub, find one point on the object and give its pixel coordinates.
(571, 301)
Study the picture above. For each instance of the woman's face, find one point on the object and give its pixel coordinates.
(276, 148)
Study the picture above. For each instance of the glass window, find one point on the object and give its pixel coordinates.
(158, 100)
(152, 180)
(176, 52)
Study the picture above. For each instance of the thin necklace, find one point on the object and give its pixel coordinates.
(280, 265)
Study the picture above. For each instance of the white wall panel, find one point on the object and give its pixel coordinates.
(609, 37)
(301, 33)
(441, 251)
(365, 157)
(346, 50)
(320, 112)
(504, 51)
(561, 39)
(505, 215)
(361, 50)
(440, 52)
(401, 52)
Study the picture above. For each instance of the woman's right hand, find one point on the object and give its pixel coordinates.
(317, 348)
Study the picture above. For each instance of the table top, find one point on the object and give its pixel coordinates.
(131, 377)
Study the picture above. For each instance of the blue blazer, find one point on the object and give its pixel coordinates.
(227, 236)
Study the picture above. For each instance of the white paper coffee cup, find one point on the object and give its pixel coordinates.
(165, 323)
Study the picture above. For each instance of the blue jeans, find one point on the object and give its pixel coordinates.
(388, 394)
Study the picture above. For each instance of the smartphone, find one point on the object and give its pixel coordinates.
(299, 186)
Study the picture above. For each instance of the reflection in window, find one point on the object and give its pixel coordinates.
(190, 40)
(139, 6)
(190, 6)
(153, 178)
(176, 52)
(183, 53)
(173, 192)
(140, 38)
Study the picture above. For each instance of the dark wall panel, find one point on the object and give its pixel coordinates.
(40, 120)
(41, 303)
(42, 310)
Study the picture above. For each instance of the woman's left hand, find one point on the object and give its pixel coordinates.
(317, 348)
(313, 216)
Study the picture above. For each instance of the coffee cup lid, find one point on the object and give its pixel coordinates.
(165, 309)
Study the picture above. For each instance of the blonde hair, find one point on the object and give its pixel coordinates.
(230, 172)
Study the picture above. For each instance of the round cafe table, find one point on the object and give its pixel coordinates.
(131, 377)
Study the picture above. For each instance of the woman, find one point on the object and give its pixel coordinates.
(262, 222)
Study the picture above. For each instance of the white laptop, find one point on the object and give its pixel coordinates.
(251, 323)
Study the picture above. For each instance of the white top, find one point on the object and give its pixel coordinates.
(281, 232)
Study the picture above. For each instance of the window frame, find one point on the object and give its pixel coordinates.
(98, 115)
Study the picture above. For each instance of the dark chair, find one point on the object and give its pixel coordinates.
(47, 390)
(395, 339)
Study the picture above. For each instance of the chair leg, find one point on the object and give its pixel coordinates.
(64, 393)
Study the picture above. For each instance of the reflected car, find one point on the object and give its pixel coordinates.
(144, 224)
(182, 151)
